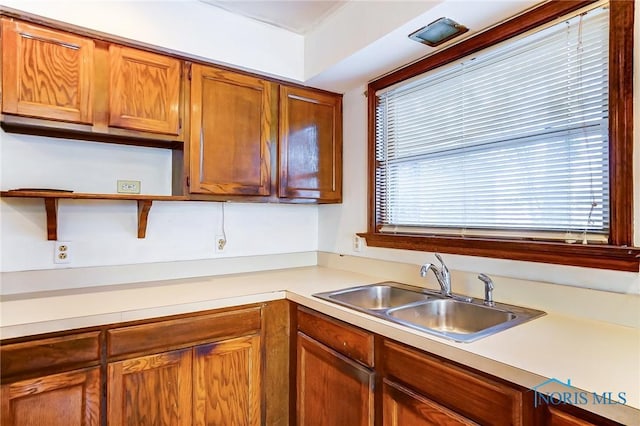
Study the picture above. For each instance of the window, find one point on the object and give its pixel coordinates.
(511, 151)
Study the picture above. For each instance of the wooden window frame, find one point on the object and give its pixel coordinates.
(619, 254)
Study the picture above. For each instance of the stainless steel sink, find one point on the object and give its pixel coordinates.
(451, 316)
(431, 312)
(379, 296)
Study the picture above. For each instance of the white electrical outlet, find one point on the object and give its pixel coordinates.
(221, 243)
(128, 186)
(357, 243)
(62, 252)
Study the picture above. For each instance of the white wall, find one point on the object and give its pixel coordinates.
(188, 26)
(105, 232)
(339, 223)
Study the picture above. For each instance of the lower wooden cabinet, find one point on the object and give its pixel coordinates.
(233, 367)
(227, 383)
(334, 372)
(212, 378)
(212, 384)
(403, 407)
(465, 392)
(151, 390)
(200, 369)
(573, 416)
(51, 381)
(64, 399)
(331, 388)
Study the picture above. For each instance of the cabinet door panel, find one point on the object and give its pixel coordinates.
(144, 91)
(46, 73)
(227, 383)
(231, 125)
(476, 397)
(152, 390)
(401, 407)
(65, 399)
(310, 145)
(331, 389)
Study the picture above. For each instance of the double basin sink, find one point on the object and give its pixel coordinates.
(459, 319)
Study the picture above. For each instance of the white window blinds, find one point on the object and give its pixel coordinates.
(510, 142)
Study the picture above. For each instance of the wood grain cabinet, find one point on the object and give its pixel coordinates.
(402, 407)
(310, 145)
(214, 383)
(52, 381)
(564, 415)
(451, 388)
(46, 73)
(232, 128)
(331, 388)
(57, 83)
(144, 90)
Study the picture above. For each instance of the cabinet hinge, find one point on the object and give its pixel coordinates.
(179, 124)
(188, 182)
(189, 71)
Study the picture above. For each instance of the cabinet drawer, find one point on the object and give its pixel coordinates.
(344, 338)
(474, 396)
(164, 335)
(560, 417)
(53, 354)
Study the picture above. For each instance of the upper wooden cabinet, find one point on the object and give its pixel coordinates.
(231, 133)
(57, 83)
(145, 91)
(234, 135)
(310, 150)
(46, 73)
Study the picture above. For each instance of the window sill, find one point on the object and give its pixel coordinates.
(617, 258)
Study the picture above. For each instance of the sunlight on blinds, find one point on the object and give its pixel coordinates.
(511, 141)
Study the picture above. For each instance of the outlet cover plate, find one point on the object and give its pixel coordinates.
(128, 186)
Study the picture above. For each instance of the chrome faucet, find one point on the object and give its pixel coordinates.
(442, 275)
(488, 289)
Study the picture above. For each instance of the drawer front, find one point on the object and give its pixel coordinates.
(343, 338)
(165, 335)
(51, 355)
(474, 396)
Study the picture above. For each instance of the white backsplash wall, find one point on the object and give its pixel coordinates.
(105, 232)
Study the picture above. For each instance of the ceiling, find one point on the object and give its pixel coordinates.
(350, 42)
(299, 16)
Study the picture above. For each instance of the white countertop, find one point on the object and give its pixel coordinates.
(596, 356)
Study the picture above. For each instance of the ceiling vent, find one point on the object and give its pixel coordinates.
(438, 32)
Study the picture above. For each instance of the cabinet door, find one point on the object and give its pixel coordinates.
(557, 417)
(144, 91)
(468, 393)
(65, 399)
(226, 381)
(403, 407)
(231, 126)
(46, 73)
(331, 389)
(151, 390)
(310, 145)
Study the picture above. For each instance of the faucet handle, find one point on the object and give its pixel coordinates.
(444, 270)
(488, 289)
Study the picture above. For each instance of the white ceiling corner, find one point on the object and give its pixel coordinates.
(298, 16)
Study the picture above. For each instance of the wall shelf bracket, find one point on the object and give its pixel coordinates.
(51, 205)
